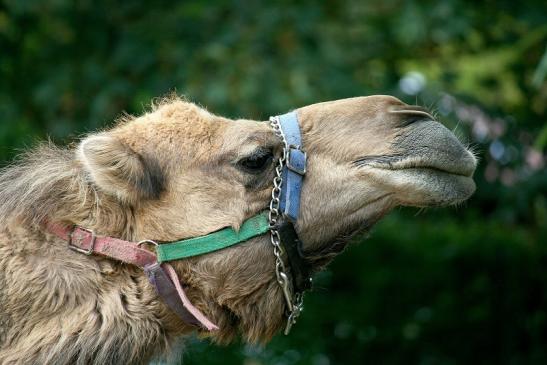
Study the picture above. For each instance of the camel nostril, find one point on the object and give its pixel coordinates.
(411, 114)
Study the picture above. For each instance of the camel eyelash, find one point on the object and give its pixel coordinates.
(257, 161)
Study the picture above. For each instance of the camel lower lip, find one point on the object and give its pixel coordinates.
(423, 186)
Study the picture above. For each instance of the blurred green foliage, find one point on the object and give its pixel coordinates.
(458, 286)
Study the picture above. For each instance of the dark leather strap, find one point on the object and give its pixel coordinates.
(300, 268)
(174, 296)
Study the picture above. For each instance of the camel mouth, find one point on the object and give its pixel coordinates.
(429, 166)
(458, 167)
(435, 179)
(423, 186)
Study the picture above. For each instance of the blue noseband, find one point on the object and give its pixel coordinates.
(294, 168)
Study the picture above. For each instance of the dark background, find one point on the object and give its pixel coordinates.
(465, 285)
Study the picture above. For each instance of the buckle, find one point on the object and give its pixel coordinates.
(79, 249)
(147, 242)
(298, 163)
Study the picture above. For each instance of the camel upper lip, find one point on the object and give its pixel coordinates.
(462, 167)
(425, 145)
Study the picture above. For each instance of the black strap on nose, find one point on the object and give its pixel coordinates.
(299, 266)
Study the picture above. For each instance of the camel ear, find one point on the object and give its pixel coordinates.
(118, 170)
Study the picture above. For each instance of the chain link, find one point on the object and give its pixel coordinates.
(294, 301)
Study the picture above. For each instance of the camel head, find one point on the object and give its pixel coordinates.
(180, 171)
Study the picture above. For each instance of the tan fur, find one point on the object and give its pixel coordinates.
(173, 173)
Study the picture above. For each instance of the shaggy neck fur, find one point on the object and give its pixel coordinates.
(48, 183)
(58, 307)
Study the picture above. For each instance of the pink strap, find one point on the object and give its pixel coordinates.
(185, 301)
(163, 277)
(85, 241)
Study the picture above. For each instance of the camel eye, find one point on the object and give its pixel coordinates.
(257, 162)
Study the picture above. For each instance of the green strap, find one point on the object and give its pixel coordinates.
(252, 227)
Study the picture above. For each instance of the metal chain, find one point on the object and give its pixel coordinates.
(294, 302)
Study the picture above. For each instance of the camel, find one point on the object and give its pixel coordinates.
(179, 171)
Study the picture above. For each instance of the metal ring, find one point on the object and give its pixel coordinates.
(147, 241)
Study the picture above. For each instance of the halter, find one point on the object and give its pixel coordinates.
(284, 209)
(279, 221)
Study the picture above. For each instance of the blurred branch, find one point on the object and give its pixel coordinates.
(541, 140)
(541, 71)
